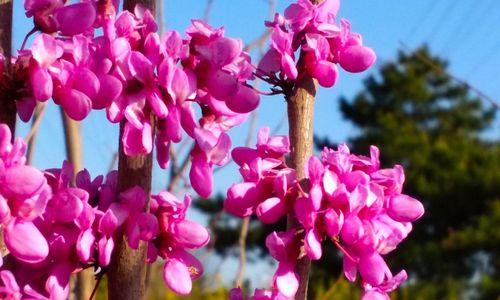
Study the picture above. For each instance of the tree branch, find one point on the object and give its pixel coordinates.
(127, 271)
(7, 104)
(300, 121)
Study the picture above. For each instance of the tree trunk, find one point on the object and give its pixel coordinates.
(300, 121)
(127, 272)
(7, 104)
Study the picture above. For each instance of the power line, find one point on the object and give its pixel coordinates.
(459, 28)
(442, 20)
(431, 5)
(475, 19)
(439, 69)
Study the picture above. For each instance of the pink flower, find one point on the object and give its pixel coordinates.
(52, 15)
(268, 182)
(177, 235)
(312, 29)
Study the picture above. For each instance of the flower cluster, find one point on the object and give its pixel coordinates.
(312, 29)
(350, 201)
(53, 228)
(267, 186)
(142, 79)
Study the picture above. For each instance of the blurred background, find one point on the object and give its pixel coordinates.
(430, 103)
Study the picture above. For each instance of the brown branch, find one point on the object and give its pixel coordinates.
(300, 122)
(300, 104)
(261, 40)
(7, 104)
(208, 10)
(127, 271)
(113, 162)
(31, 137)
(37, 120)
(178, 173)
(243, 256)
(242, 241)
(160, 17)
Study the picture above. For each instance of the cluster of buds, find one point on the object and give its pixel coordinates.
(53, 228)
(350, 201)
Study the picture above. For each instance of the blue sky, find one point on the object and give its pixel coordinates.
(464, 32)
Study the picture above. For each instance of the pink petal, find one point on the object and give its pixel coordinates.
(289, 67)
(110, 89)
(404, 208)
(84, 12)
(190, 234)
(25, 242)
(5, 139)
(374, 295)
(21, 181)
(157, 104)
(46, 50)
(222, 85)
(67, 205)
(312, 245)
(325, 72)
(87, 83)
(105, 249)
(357, 59)
(286, 280)
(162, 151)
(76, 104)
(271, 210)
(200, 175)
(41, 83)
(243, 155)
(352, 230)
(25, 108)
(136, 141)
(333, 222)
(350, 269)
(140, 67)
(85, 245)
(241, 199)
(245, 100)
(270, 62)
(219, 154)
(176, 276)
(372, 268)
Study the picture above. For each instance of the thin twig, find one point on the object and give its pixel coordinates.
(114, 161)
(33, 30)
(330, 290)
(36, 123)
(243, 256)
(208, 10)
(178, 174)
(261, 40)
(96, 286)
(31, 143)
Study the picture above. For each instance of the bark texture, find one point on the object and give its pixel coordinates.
(300, 122)
(127, 272)
(7, 104)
